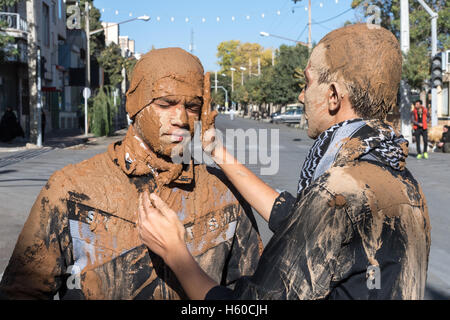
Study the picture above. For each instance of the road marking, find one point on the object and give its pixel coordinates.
(21, 156)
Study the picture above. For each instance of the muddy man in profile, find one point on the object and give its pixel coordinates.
(81, 238)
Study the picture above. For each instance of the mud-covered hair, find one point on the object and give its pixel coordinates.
(369, 60)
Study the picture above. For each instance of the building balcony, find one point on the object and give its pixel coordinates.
(13, 24)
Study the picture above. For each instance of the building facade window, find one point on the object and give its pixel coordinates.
(60, 9)
(46, 24)
(54, 12)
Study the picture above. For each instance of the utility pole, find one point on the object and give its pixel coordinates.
(33, 76)
(232, 78)
(39, 99)
(259, 66)
(215, 81)
(309, 26)
(191, 46)
(88, 55)
(434, 90)
(249, 67)
(405, 103)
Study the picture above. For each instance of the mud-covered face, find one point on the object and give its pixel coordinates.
(171, 117)
(315, 97)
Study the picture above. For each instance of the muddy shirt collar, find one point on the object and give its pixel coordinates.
(352, 140)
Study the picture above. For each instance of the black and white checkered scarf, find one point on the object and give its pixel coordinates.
(378, 142)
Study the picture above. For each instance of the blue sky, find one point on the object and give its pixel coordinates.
(279, 19)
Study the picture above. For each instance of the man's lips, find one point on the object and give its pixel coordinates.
(178, 135)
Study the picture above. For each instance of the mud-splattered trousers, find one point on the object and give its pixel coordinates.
(360, 231)
(81, 238)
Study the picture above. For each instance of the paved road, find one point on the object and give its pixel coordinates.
(21, 180)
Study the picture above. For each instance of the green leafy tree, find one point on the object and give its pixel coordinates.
(236, 54)
(416, 68)
(112, 62)
(97, 41)
(286, 81)
(129, 64)
(5, 40)
(102, 111)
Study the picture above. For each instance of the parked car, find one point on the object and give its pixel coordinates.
(275, 114)
(291, 116)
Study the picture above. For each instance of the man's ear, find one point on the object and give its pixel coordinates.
(334, 98)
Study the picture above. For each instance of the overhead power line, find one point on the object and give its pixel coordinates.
(332, 18)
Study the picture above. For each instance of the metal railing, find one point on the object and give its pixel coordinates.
(13, 21)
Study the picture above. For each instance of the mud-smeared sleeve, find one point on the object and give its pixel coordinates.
(281, 209)
(36, 266)
(246, 247)
(300, 260)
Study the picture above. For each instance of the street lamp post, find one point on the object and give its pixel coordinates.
(405, 105)
(90, 33)
(226, 94)
(434, 17)
(215, 81)
(88, 53)
(242, 75)
(232, 78)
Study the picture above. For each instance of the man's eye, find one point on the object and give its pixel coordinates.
(193, 107)
(163, 104)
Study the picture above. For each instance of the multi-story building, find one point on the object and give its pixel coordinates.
(13, 70)
(50, 20)
(63, 61)
(50, 16)
(127, 46)
(72, 58)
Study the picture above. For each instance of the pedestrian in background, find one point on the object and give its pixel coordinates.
(444, 143)
(420, 119)
(9, 126)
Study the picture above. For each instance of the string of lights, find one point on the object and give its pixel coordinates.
(218, 18)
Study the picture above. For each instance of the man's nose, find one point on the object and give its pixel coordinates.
(301, 97)
(180, 118)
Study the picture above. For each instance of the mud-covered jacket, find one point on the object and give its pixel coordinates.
(359, 231)
(81, 238)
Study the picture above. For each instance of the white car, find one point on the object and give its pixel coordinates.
(291, 116)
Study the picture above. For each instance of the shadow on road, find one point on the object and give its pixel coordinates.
(435, 294)
(7, 171)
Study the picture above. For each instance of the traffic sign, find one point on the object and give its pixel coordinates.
(86, 93)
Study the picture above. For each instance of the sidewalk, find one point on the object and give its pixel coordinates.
(53, 139)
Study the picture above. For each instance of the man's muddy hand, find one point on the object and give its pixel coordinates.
(159, 227)
(208, 118)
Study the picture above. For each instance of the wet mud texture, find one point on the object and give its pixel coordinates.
(378, 73)
(148, 80)
(85, 220)
(359, 213)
